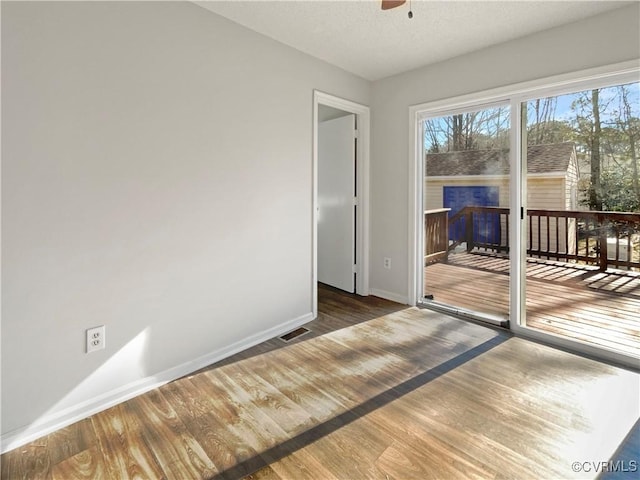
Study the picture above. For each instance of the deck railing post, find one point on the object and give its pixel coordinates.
(446, 237)
(436, 234)
(469, 230)
(602, 243)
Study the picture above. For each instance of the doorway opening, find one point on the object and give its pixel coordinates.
(337, 194)
(340, 195)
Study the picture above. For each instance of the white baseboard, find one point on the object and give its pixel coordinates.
(57, 420)
(394, 297)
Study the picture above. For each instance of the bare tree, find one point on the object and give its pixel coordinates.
(595, 190)
(431, 137)
(607, 130)
(541, 116)
(588, 135)
(630, 127)
(480, 130)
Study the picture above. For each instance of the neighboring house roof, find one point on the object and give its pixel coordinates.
(554, 157)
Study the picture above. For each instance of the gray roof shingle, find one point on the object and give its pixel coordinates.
(540, 159)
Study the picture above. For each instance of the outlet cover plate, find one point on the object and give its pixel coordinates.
(95, 338)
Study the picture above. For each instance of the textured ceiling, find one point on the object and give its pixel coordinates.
(361, 38)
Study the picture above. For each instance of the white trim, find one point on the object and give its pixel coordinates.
(362, 182)
(625, 72)
(394, 297)
(314, 209)
(52, 422)
(517, 225)
(416, 206)
(546, 175)
(496, 177)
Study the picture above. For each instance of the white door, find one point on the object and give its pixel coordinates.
(336, 211)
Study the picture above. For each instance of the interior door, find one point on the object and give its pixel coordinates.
(336, 211)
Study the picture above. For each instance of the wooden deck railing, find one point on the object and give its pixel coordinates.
(436, 245)
(595, 238)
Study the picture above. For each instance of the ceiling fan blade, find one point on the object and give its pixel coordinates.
(389, 4)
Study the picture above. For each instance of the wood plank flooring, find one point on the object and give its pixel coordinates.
(601, 308)
(376, 390)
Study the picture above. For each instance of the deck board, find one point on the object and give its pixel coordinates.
(580, 302)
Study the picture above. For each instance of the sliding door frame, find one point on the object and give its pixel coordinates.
(515, 95)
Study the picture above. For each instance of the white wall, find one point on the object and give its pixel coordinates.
(156, 178)
(602, 40)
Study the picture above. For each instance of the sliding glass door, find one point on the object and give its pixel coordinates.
(466, 211)
(538, 224)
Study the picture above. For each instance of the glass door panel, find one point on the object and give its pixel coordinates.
(583, 216)
(466, 212)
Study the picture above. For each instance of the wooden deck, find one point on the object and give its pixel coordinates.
(580, 302)
(376, 390)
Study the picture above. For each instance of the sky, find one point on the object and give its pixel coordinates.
(609, 111)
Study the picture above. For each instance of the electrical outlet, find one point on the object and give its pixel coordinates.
(95, 339)
(387, 263)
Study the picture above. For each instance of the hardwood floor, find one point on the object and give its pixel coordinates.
(375, 390)
(600, 308)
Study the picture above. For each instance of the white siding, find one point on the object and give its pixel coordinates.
(571, 185)
(550, 194)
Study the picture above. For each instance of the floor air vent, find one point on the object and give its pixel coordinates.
(287, 337)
